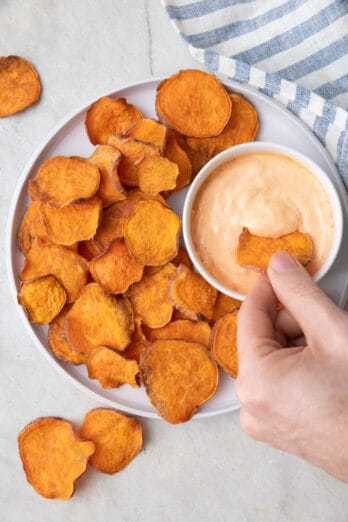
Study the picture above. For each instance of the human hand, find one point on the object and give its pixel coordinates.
(293, 390)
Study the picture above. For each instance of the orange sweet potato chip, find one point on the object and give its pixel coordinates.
(32, 226)
(42, 298)
(241, 128)
(98, 319)
(117, 438)
(149, 297)
(224, 304)
(57, 340)
(107, 116)
(194, 103)
(133, 151)
(178, 316)
(116, 269)
(138, 343)
(60, 181)
(107, 159)
(147, 130)
(19, 85)
(255, 251)
(151, 269)
(196, 158)
(111, 369)
(175, 153)
(192, 294)
(72, 223)
(151, 233)
(69, 268)
(114, 217)
(224, 343)
(135, 350)
(178, 376)
(182, 259)
(184, 330)
(157, 174)
(53, 457)
(87, 250)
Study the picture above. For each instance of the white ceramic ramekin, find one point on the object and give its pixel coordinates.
(246, 148)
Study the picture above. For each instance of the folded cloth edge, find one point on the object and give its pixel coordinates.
(328, 122)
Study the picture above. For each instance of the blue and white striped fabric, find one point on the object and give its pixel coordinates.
(270, 45)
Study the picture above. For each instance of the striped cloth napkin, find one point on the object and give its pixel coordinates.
(295, 51)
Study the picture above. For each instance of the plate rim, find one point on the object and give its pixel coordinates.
(10, 241)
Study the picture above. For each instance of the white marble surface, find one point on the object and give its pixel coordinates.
(204, 470)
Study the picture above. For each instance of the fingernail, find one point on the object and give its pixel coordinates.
(282, 261)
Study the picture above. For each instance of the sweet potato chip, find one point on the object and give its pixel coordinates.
(135, 350)
(151, 269)
(53, 457)
(60, 181)
(149, 297)
(42, 298)
(117, 438)
(224, 343)
(151, 233)
(69, 268)
(182, 259)
(147, 130)
(138, 343)
(223, 305)
(86, 250)
(107, 159)
(178, 376)
(116, 269)
(176, 154)
(194, 103)
(191, 331)
(178, 316)
(133, 152)
(57, 340)
(157, 174)
(192, 294)
(196, 158)
(255, 251)
(107, 116)
(32, 226)
(19, 85)
(98, 319)
(241, 128)
(114, 217)
(72, 223)
(111, 369)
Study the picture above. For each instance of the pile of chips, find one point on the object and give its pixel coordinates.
(103, 266)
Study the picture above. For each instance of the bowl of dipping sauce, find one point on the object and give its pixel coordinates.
(271, 190)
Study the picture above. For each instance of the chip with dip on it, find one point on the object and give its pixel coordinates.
(255, 251)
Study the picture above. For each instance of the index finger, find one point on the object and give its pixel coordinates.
(256, 317)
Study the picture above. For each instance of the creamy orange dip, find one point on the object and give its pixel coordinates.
(270, 194)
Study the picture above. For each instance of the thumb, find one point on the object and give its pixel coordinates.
(315, 313)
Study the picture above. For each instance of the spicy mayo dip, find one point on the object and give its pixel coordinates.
(270, 194)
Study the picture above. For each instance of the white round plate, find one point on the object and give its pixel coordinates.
(69, 138)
